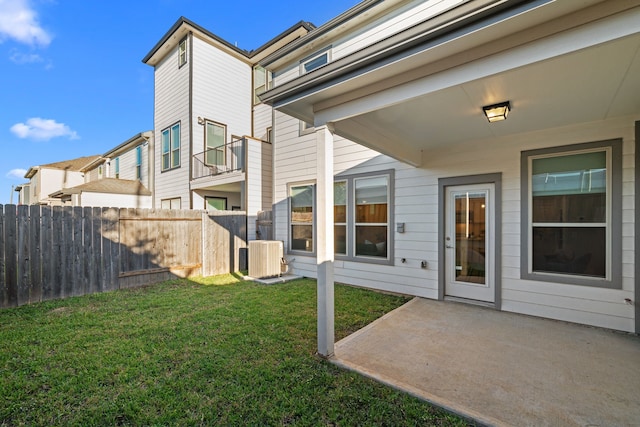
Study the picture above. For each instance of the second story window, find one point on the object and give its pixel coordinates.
(117, 167)
(182, 52)
(171, 147)
(138, 162)
(314, 61)
(261, 82)
(214, 144)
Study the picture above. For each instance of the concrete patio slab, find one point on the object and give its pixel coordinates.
(501, 368)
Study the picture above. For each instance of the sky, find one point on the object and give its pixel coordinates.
(72, 79)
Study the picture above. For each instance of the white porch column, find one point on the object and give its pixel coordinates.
(324, 239)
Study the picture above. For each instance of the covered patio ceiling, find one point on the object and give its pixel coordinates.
(575, 69)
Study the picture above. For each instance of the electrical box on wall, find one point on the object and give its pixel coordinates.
(400, 227)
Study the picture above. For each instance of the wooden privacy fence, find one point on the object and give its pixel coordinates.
(56, 252)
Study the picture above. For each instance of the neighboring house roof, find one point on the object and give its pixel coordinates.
(182, 21)
(135, 140)
(106, 185)
(75, 165)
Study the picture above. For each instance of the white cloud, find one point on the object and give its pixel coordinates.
(16, 173)
(42, 129)
(19, 21)
(24, 58)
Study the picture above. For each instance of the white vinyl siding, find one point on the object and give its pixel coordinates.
(416, 205)
(171, 106)
(221, 91)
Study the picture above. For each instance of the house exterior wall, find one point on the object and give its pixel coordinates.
(128, 165)
(171, 106)
(221, 92)
(262, 119)
(416, 204)
(113, 200)
(51, 180)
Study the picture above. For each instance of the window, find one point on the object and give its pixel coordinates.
(340, 217)
(117, 167)
(138, 162)
(301, 201)
(171, 147)
(362, 215)
(100, 172)
(572, 214)
(214, 144)
(182, 52)
(315, 61)
(262, 81)
(173, 203)
(371, 216)
(215, 203)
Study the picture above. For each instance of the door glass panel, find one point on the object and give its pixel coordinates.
(471, 244)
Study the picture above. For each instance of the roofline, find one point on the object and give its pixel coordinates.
(323, 29)
(304, 24)
(182, 20)
(245, 53)
(390, 48)
(142, 135)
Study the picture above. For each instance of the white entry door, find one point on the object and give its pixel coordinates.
(470, 242)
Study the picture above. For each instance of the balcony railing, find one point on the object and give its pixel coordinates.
(219, 160)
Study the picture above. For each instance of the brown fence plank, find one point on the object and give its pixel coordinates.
(87, 252)
(77, 275)
(35, 253)
(11, 258)
(3, 280)
(24, 264)
(58, 254)
(48, 254)
(66, 252)
(98, 270)
(110, 244)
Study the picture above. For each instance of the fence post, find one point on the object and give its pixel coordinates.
(3, 280)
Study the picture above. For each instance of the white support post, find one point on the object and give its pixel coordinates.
(324, 239)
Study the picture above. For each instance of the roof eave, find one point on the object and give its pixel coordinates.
(382, 51)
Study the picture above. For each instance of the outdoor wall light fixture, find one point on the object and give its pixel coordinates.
(497, 112)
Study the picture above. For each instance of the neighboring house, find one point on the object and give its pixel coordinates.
(24, 193)
(122, 177)
(52, 177)
(212, 134)
(534, 214)
(107, 192)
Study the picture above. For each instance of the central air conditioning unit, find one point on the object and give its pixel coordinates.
(265, 257)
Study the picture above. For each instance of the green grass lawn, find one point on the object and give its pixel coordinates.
(211, 351)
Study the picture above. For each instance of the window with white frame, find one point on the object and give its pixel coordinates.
(171, 147)
(262, 81)
(173, 203)
(215, 136)
(316, 60)
(301, 217)
(182, 52)
(138, 162)
(572, 214)
(117, 167)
